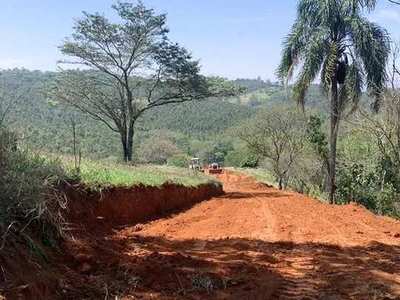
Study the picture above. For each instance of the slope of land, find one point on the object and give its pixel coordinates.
(255, 242)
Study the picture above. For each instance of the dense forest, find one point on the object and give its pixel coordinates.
(45, 124)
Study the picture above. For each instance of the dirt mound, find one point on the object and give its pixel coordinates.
(233, 179)
(24, 269)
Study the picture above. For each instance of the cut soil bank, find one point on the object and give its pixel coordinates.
(123, 206)
(24, 275)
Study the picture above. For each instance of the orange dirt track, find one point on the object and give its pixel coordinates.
(254, 242)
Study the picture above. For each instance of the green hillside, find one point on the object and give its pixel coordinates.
(46, 125)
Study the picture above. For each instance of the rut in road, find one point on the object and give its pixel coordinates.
(254, 242)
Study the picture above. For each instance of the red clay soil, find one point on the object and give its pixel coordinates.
(254, 242)
(120, 206)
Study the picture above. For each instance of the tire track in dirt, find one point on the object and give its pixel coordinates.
(282, 216)
(299, 278)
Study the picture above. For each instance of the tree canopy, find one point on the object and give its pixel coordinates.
(135, 68)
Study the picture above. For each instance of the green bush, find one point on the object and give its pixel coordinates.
(27, 186)
(358, 184)
(355, 183)
(241, 159)
(179, 160)
(387, 201)
(157, 150)
(389, 169)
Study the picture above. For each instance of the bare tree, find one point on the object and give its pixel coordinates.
(76, 150)
(277, 135)
(384, 127)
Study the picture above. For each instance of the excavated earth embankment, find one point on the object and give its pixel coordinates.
(32, 270)
(120, 206)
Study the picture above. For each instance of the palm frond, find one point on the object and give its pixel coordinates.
(317, 12)
(331, 61)
(293, 46)
(372, 46)
(314, 56)
(354, 82)
(343, 95)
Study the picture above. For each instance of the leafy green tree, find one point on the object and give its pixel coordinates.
(318, 139)
(333, 38)
(135, 67)
(242, 158)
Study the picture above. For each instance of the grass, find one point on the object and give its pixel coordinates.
(104, 174)
(29, 186)
(262, 175)
(202, 282)
(28, 192)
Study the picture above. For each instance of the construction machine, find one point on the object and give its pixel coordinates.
(214, 166)
(195, 164)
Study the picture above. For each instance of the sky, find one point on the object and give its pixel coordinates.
(231, 38)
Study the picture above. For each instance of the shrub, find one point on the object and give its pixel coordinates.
(179, 160)
(358, 184)
(241, 159)
(27, 187)
(387, 200)
(157, 151)
(389, 169)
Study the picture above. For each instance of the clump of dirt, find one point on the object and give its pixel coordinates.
(25, 272)
(137, 267)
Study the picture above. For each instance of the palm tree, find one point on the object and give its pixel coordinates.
(332, 39)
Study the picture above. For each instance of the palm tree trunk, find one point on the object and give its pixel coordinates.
(335, 118)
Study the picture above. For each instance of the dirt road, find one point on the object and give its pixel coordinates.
(254, 242)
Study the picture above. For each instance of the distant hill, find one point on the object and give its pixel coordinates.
(265, 94)
(203, 119)
(46, 125)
